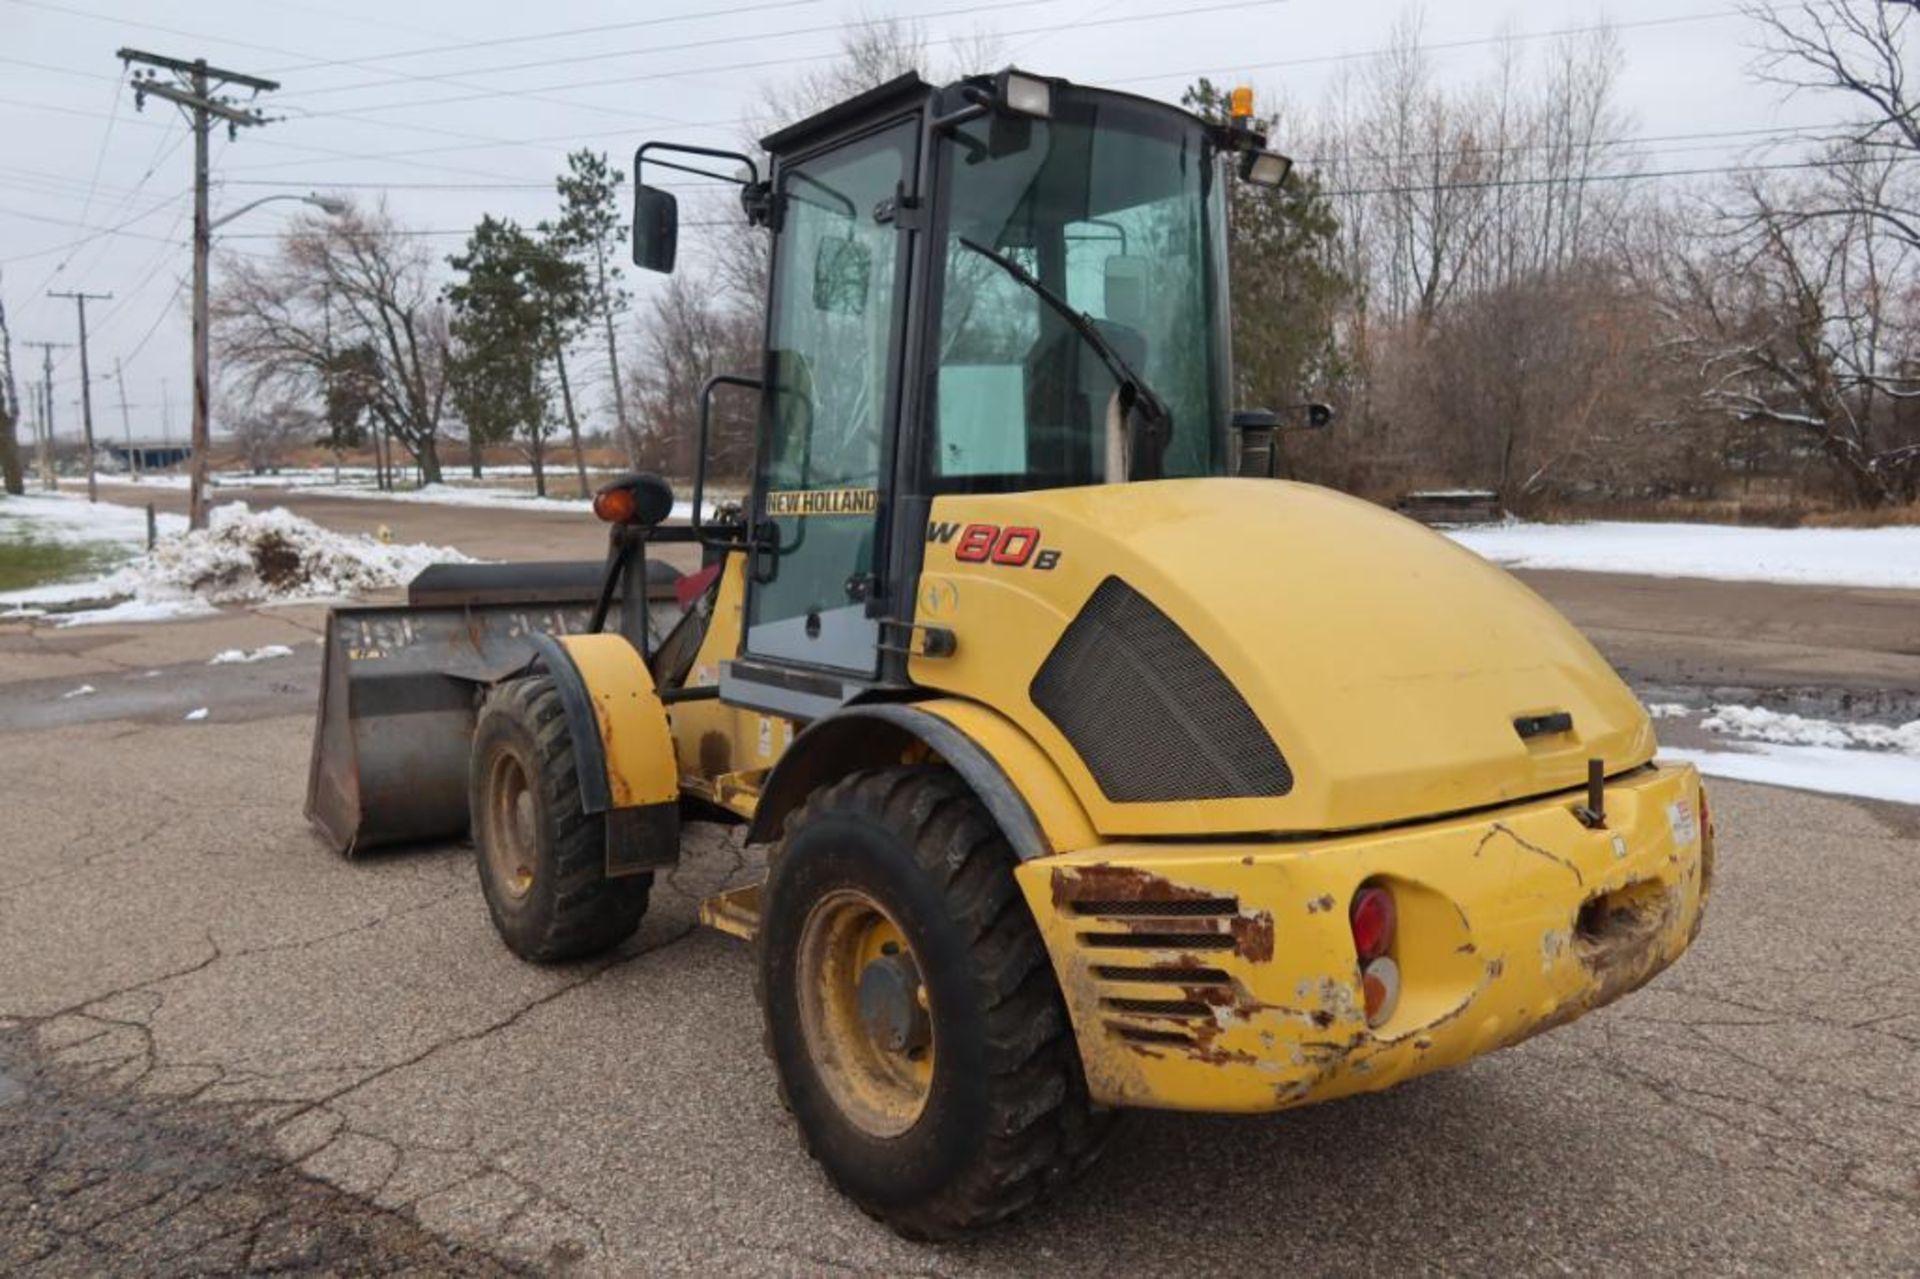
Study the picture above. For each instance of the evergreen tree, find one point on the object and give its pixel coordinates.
(590, 232)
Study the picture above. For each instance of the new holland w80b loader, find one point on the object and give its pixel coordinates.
(1100, 770)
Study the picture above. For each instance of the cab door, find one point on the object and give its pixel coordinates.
(836, 313)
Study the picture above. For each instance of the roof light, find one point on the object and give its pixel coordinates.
(1240, 103)
(1024, 94)
(1265, 168)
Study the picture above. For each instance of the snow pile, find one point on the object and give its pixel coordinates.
(1667, 710)
(1757, 724)
(1871, 557)
(242, 656)
(242, 557)
(246, 556)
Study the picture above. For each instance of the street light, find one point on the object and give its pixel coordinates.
(202, 245)
(333, 206)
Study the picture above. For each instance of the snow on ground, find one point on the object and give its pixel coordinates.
(1864, 774)
(358, 483)
(1873, 557)
(243, 557)
(69, 518)
(242, 656)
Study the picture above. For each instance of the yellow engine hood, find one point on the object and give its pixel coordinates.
(1387, 663)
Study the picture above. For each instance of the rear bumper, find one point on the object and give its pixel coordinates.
(1222, 977)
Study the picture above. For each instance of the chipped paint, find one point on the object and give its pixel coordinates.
(1275, 1018)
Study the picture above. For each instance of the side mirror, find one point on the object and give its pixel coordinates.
(842, 276)
(656, 228)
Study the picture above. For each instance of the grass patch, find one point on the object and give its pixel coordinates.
(28, 561)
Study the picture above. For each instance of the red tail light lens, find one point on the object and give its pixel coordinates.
(1373, 918)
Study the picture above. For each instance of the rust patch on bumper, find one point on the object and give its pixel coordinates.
(1126, 896)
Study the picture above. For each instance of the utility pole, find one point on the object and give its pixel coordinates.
(126, 423)
(193, 90)
(166, 415)
(86, 381)
(47, 349)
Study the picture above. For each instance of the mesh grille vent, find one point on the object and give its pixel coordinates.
(1151, 716)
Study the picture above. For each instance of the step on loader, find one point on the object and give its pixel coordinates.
(1100, 769)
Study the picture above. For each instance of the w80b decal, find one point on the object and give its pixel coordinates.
(1012, 546)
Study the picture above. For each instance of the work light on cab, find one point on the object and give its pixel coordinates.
(1024, 94)
(1265, 168)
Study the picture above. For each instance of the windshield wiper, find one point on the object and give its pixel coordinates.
(1138, 395)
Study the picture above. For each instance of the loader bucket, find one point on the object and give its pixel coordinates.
(400, 688)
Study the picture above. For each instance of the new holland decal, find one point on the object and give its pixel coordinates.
(851, 501)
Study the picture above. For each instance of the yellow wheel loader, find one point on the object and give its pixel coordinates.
(1099, 769)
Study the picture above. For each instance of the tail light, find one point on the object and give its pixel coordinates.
(1375, 920)
(1381, 985)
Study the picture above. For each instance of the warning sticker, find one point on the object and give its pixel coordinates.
(1680, 817)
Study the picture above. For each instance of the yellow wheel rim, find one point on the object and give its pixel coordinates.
(865, 1012)
(513, 831)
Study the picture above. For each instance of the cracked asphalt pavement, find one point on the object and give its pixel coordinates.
(224, 1048)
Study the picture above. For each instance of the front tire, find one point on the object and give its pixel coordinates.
(911, 1011)
(542, 860)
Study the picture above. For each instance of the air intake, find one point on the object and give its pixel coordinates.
(1151, 716)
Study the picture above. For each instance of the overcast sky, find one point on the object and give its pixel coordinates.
(374, 102)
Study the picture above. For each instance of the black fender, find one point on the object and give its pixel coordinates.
(878, 735)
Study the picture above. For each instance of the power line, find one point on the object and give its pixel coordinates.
(497, 42)
(1783, 133)
(578, 137)
(1442, 46)
(1410, 189)
(791, 60)
(709, 42)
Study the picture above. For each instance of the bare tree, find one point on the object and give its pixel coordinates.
(266, 432)
(353, 281)
(1809, 325)
(1859, 50)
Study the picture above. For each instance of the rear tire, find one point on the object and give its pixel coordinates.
(998, 1112)
(542, 860)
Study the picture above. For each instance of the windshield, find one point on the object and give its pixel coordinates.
(1115, 207)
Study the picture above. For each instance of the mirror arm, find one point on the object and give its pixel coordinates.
(979, 103)
(682, 148)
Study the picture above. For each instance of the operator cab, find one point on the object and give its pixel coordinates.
(1005, 284)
